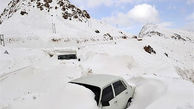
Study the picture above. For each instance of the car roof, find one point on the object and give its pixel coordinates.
(98, 80)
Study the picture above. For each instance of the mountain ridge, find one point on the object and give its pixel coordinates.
(66, 9)
(150, 30)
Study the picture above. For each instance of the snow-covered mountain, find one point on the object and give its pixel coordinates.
(60, 8)
(177, 45)
(152, 30)
(48, 18)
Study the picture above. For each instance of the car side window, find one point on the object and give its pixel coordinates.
(118, 87)
(107, 94)
(124, 84)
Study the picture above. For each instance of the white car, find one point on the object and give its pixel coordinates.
(111, 92)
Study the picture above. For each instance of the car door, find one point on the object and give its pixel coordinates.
(108, 100)
(121, 94)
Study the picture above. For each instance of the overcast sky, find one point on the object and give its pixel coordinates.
(130, 15)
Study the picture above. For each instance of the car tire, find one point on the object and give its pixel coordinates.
(128, 103)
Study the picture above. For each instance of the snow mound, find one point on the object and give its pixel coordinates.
(100, 63)
(43, 86)
(65, 97)
(162, 93)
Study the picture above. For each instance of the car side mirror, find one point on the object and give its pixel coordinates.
(105, 103)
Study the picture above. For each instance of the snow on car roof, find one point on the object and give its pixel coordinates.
(98, 80)
(61, 52)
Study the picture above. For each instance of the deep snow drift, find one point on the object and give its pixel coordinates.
(160, 62)
(43, 84)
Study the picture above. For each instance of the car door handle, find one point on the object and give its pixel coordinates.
(126, 92)
(115, 102)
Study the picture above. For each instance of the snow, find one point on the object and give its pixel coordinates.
(162, 93)
(31, 79)
(3, 5)
(43, 83)
(44, 24)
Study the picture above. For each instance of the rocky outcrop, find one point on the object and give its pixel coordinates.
(64, 8)
(149, 49)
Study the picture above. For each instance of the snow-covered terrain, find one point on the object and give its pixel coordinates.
(45, 21)
(160, 62)
(43, 83)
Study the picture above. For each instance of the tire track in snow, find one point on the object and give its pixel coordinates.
(6, 75)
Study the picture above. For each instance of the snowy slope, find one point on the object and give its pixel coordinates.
(178, 45)
(34, 19)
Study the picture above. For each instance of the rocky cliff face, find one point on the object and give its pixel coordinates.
(61, 8)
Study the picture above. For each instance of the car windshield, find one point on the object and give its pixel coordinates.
(94, 89)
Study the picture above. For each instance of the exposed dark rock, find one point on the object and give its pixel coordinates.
(55, 40)
(70, 6)
(65, 16)
(23, 13)
(134, 37)
(178, 37)
(97, 31)
(48, 1)
(156, 33)
(149, 49)
(75, 16)
(121, 32)
(6, 52)
(108, 36)
(60, 3)
(166, 54)
(63, 8)
(139, 39)
(86, 14)
(47, 5)
(124, 37)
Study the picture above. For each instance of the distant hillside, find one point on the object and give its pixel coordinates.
(151, 30)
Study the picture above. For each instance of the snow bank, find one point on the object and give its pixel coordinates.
(147, 91)
(162, 93)
(107, 64)
(67, 97)
(44, 85)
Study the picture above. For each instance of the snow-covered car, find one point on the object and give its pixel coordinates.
(111, 92)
